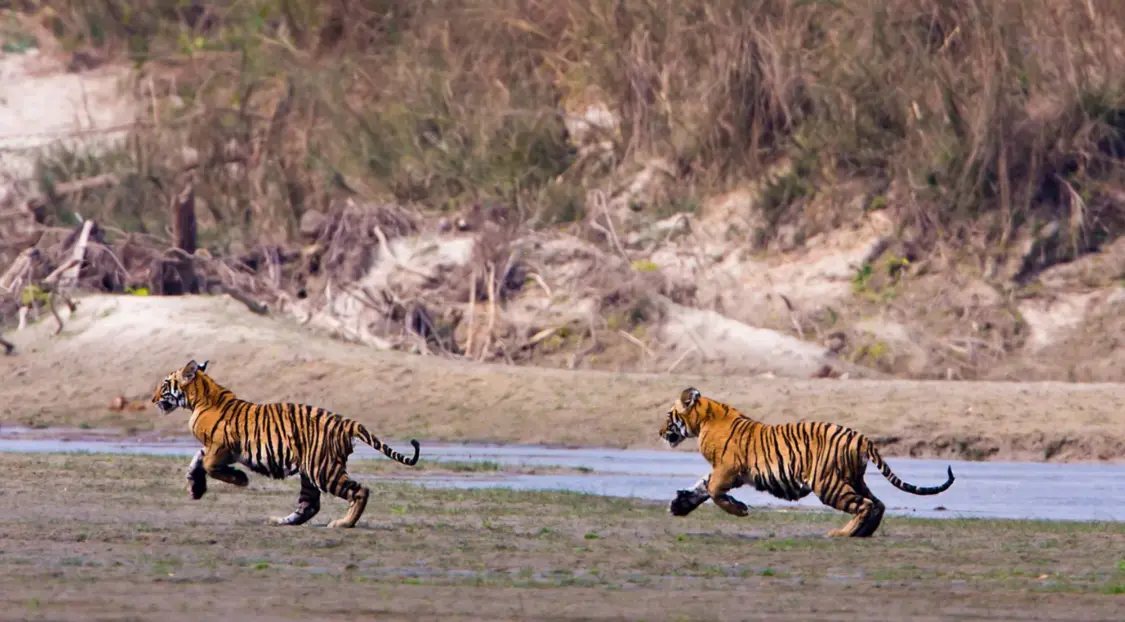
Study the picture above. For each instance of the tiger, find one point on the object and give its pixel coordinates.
(277, 440)
(788, 461)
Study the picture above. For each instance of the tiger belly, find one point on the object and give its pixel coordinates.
(275, 467)
(783, 486)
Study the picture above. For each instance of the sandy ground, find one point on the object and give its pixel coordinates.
(117, 538)
(125, 345)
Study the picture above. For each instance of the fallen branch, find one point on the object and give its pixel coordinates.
(251, 304)
(33, 204)
(637, 342)
(680, 359)
(539, 336)
(13, 278)
(538, 279)
(109, 251)
(382, 237)
(70, 276)
(598, 198)
(793, 316)
(53, 277)
(227, 285)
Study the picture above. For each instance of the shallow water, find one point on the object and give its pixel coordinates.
(982, 489)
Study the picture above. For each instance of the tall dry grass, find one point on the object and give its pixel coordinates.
(969, 118)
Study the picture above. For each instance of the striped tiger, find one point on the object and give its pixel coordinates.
(788, 461)
(276, 440)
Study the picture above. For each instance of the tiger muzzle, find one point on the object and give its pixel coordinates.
(672, 437)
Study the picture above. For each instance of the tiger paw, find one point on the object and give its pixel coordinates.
(737, 507)
(684, 503)
(240, 479)
(197, 486)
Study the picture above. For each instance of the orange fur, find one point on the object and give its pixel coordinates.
(787, 461)
(277, 440)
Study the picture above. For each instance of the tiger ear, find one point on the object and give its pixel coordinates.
(203, 365)
(689, 397)
(189, 370)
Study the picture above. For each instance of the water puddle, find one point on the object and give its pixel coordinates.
(982, 490)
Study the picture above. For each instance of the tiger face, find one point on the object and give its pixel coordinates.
(170, 394)
(676, 429)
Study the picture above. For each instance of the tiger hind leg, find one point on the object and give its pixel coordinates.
(866, 510)
(355, 494)
(873, 517)
(308, 504)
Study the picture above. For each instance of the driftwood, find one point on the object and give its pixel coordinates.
(336, 249)
(253, 305)
(69, 275)
(34, 204)
(18, 273)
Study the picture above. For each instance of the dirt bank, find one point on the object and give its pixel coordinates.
(124, 345)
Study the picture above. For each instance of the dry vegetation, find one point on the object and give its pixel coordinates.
(311, 133)
(121, 346)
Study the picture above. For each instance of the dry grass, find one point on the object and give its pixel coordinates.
(976, 118)
(978, 126)
(500, 554)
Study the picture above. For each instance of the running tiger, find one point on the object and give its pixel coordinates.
(787, 461)
(277, 440)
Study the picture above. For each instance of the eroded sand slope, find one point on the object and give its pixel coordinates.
(124, 345)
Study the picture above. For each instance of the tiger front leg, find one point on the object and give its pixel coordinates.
(687, 500)
(197, 476)
(718, 486)
(217, 463)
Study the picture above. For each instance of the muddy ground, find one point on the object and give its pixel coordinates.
(116, 537)
(125, 345)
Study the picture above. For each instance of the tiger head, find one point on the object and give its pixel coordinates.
(679, 424)
(171, 393)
